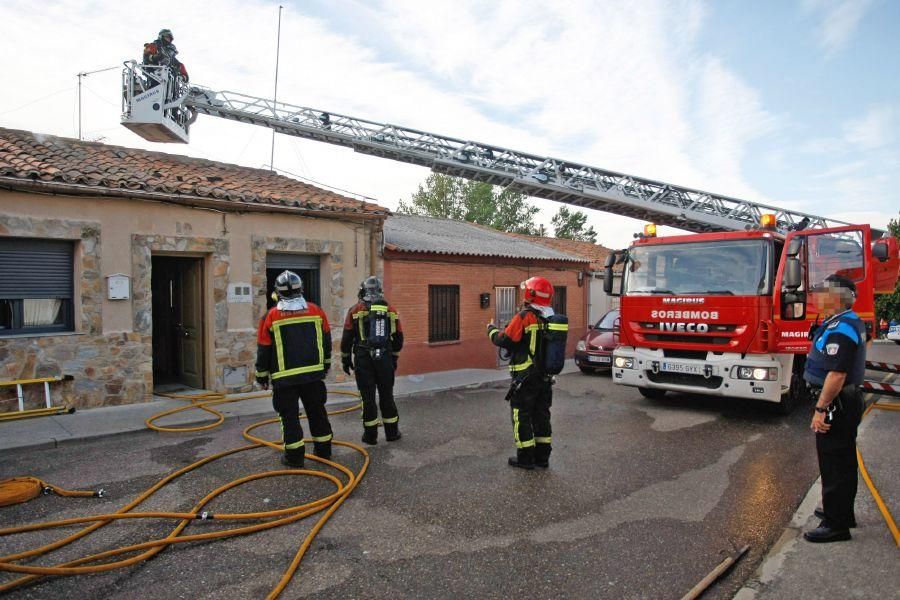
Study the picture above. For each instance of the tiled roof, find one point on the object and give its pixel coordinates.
(594, 252)
(116, 170)
(409, 233)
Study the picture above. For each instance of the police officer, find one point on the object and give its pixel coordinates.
(835, 367)
(294, 351)
(531, 392)
(370, 346)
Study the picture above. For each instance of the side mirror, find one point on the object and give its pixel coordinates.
(793, 274)
(608, 277)
(617, 322)
(590, 326)
(880, 251)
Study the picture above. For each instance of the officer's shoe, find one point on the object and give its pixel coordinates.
(293, 461)
(823, 534)
(821, 515)
(323, 449)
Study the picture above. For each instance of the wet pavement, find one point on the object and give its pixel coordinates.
(642, 499)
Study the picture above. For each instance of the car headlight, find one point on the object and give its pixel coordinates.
(624, 363)
(758, 373)
(581, 346)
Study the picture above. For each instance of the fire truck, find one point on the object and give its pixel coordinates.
(729, 314)
(723, 311)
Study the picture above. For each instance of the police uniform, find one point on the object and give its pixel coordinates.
(374, 369)
(294, 350)
(531, 393)
(839, 344)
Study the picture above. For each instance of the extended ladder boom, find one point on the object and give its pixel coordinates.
(543, 177)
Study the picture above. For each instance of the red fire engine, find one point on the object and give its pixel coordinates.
(729, 314)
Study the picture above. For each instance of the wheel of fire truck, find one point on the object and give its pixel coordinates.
(652, 393)
(796, 393)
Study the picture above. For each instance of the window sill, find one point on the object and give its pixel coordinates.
(447, 343)
(14, 336)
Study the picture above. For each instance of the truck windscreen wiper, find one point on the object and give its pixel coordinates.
(653, 291)
(721, 292)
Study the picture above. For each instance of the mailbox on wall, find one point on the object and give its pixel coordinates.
(485, 300)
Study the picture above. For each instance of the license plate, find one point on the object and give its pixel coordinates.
(681, 368)
(600, 359)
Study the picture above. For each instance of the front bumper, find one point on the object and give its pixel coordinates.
(716, 375)
(593, 359)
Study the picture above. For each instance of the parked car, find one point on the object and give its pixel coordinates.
(594, 351)
(894, 334)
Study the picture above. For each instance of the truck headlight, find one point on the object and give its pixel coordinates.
(624, 363)
(581, 346)
(758, 373)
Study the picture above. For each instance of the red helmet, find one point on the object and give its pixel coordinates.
(537, 291)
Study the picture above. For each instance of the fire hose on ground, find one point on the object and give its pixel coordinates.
(23, 489)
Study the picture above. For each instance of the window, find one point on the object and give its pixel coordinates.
(307, 266)
(559, 300)
(443, 313)
(36, 286)
(838, 253)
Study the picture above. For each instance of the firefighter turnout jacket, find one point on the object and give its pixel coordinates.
(293, 346)
(357, 329)
(520, 338)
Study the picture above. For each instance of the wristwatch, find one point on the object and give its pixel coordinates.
(819, 409)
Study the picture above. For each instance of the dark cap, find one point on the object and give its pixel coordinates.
(837, 281)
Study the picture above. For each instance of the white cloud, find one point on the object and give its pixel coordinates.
(622, 86)
(875, 129)
(838, 21)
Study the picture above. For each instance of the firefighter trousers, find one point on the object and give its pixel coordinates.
(313, 396)
(836, 451)
(376, 376)
(530, 405)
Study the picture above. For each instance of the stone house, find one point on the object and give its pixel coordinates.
(129, 269)
(448, 279)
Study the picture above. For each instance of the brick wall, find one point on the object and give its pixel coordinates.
(408, 276)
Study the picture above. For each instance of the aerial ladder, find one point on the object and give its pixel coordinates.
(160, 107)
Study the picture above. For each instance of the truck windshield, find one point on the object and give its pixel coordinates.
(726, 267)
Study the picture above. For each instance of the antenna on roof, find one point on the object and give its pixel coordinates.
(275, 96)
(80, 76)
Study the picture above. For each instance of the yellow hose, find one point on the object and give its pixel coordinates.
(885, 512)
(269, 519)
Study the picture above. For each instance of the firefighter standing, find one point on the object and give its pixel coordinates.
(370, 346)
(294, 351)
(162, 52)
(531, 391)
(835, 367)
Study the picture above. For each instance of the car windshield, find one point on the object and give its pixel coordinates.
(608, 321)
(725, 267)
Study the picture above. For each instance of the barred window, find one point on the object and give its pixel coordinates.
(36, 286)
(443, 313)
(559, 300)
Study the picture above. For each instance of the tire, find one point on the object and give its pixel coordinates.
(790, 399)
(897, 342)
(651, 393)
(586, 370)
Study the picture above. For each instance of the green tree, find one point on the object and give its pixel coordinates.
(887, 306)
(570, 225)
(473, 201)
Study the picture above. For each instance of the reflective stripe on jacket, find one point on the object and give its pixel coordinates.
(356, 327)
(521, 338)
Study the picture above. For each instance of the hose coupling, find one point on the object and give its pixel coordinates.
(205, 516)
(101, 493)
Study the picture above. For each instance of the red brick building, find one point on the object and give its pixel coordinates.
(448, 279)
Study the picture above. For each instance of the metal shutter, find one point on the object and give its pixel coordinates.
(278, 260)
(36, 268)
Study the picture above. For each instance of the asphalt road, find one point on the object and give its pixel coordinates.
(643, 498)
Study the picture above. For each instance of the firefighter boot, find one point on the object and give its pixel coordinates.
(370, 435)
(293, 458)
(323, 449)
(524, 459)
(392, 432)
(542, 455)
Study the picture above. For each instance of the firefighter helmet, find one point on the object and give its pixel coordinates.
(288, 285)
(166, 32)
(537, 291)
(371, 289)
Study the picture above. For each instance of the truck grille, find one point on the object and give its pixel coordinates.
(710, 383)
(687, 339)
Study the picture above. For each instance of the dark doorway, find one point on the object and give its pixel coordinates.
(307, 266)
(176, 285)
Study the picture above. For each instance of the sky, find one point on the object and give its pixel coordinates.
(790, 103)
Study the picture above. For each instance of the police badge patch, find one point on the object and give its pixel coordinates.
(831, 349)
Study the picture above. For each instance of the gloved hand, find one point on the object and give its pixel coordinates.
(347, 364)
(263, 382)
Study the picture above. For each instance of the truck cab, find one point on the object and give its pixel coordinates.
(729, 314)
